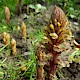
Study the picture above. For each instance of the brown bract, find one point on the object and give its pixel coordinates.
(59, 16)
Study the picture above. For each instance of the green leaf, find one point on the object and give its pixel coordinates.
(72, 16)
(32, 6)
(71, 9)
(75, 56)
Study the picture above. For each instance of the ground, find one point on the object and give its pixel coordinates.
(35, 25)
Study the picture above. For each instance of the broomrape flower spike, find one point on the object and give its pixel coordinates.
(23, 31)
(55, 37)
(13, 47)
(6, 38)
(7, 15)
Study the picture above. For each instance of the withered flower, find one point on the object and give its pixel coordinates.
(53, 35)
